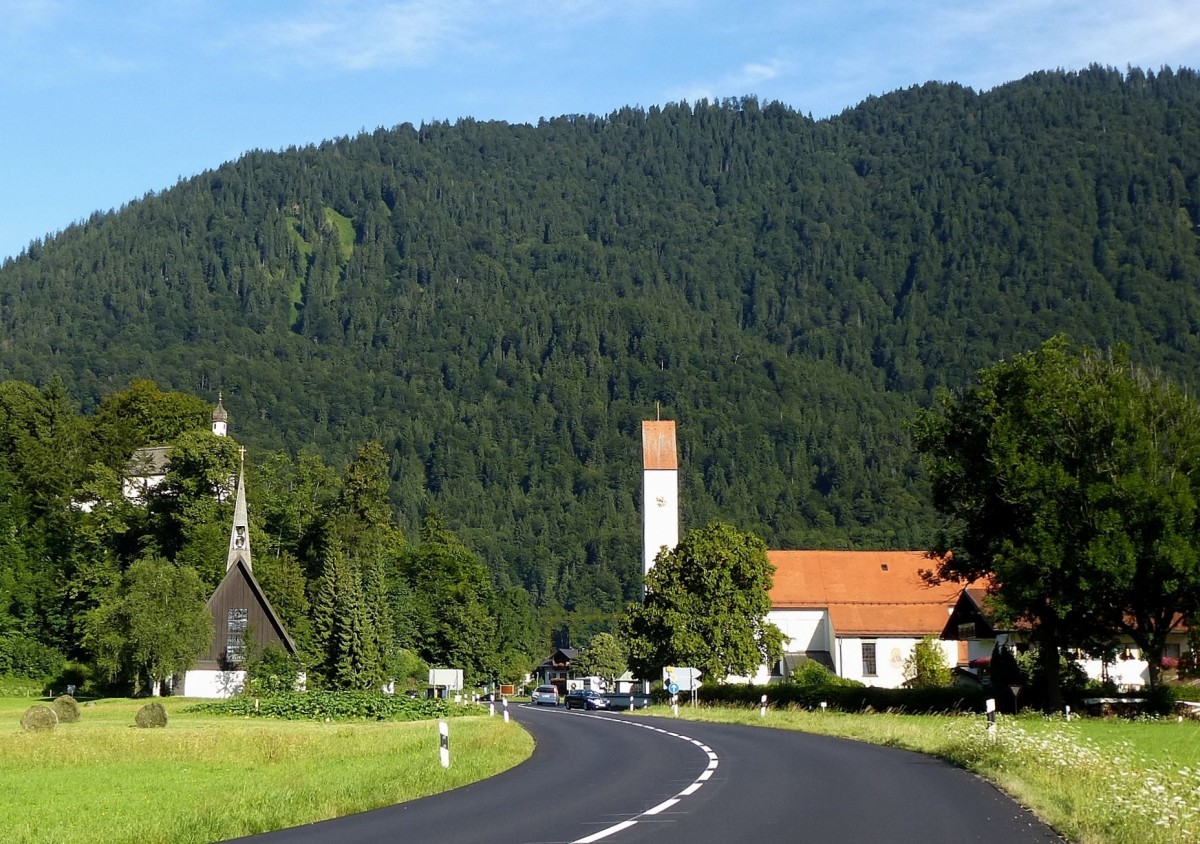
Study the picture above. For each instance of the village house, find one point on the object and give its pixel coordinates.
(973, 627)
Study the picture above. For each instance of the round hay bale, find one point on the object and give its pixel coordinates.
(39, 719)
(66, 708)
(152, 715)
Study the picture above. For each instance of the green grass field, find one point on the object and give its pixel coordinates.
(206, 778)
(1097, 781)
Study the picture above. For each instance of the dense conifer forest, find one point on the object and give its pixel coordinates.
(499, 306)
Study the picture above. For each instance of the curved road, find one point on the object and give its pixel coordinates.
(628, 780)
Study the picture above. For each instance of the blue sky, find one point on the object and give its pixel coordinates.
(102, 102)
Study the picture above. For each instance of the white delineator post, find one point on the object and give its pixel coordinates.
(444, 743)
(660, 490)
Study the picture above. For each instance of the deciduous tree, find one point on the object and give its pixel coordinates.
(706, 605)
(152, 626)
(1070, 478)
(603, 657)
(926, 665)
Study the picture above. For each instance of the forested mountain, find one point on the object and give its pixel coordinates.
(501, 305)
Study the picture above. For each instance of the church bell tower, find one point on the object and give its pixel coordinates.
(660, 490)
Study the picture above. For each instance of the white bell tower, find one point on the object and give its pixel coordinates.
(660, 490)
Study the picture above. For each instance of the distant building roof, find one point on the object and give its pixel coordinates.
(866, 593)
(149, 462)
(560, 658)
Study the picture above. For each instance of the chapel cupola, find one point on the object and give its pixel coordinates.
(220, 418)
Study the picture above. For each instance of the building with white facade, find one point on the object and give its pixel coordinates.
(859, 613)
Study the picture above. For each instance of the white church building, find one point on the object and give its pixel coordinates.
(859, 613)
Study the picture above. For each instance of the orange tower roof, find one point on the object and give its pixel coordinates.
(658, 446)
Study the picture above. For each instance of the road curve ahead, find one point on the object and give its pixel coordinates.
(629, 780)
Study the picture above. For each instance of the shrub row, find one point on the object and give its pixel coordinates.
(849, 698)
(335, 706)
(924, 700)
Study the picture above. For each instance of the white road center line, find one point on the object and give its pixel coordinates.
(704, 776)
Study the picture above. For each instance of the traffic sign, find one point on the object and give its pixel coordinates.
(686, 678)
(673, 688)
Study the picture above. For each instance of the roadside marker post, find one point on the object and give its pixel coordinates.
(491, 709)
(990, 706)
(444, 743)
(1068, 714)
(675, 705)
(506, 710)
(762, 709)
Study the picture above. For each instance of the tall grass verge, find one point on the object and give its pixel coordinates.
(209, 778)
(1096, 781)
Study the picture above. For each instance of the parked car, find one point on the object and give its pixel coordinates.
(586, 699)
(545, 695)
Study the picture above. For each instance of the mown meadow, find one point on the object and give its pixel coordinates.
(207, 777)
(1096, 781)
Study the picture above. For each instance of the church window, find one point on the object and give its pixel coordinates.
(235, 644)
(868, 659)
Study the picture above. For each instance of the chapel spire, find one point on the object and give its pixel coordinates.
(239, 537)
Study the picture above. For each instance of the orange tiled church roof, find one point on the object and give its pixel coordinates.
(869, 593)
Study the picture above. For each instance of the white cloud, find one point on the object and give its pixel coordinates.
(373, 34)
(26, 20)
(745, 80)
(760, 72)
(20, 16)
(359, 36)
(986, 45)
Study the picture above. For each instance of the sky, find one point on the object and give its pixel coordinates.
(104, 102)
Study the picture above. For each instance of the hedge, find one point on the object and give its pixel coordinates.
(850, 698)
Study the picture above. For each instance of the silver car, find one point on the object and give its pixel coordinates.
(545, 695)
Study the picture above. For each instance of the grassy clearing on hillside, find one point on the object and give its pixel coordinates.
(1097, 781)
(208, 778)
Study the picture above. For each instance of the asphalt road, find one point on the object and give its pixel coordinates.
(628, 780)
